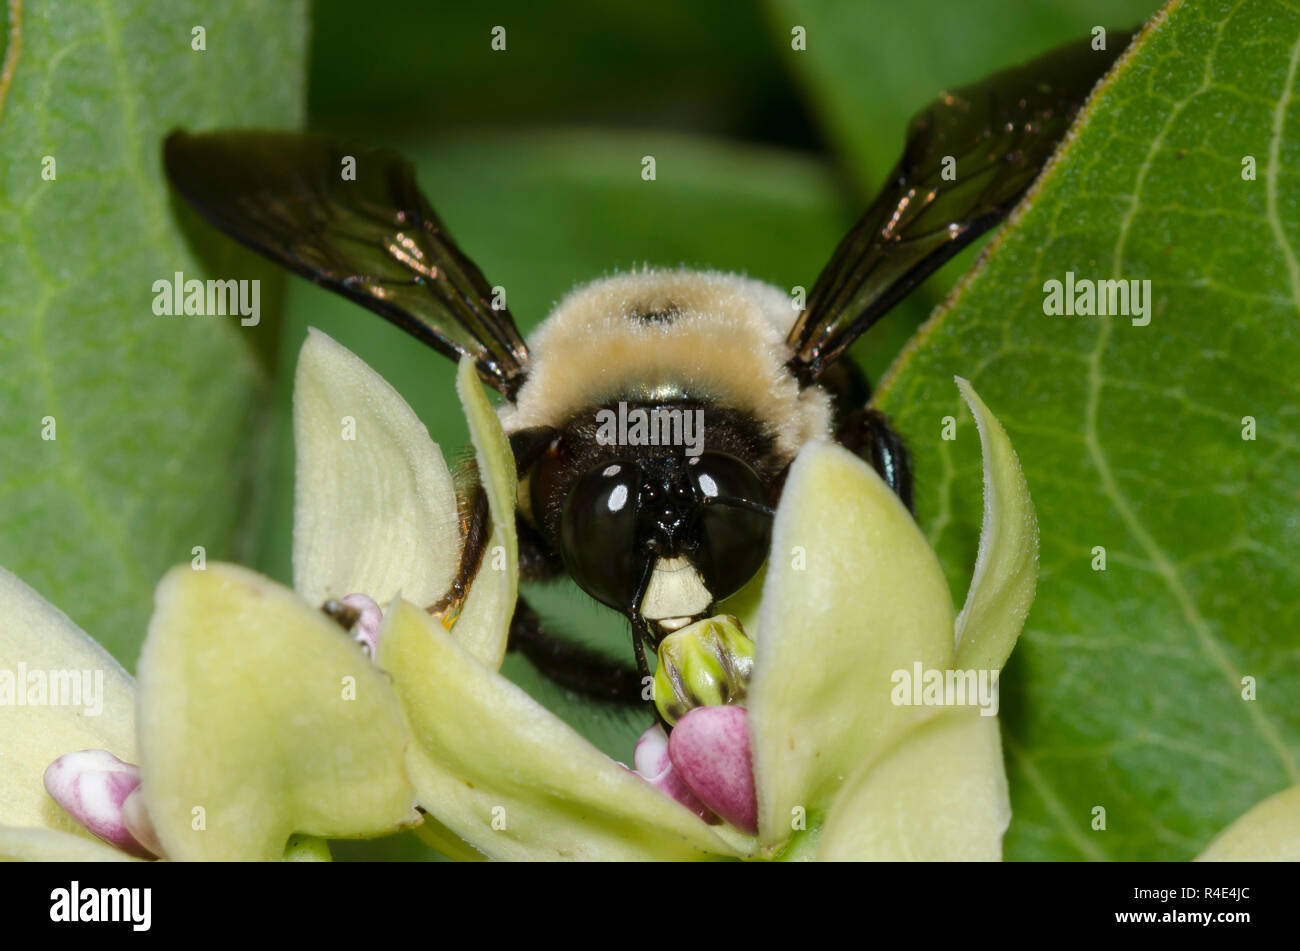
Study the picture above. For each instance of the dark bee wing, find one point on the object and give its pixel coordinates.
(372, 238)
(1000, 132)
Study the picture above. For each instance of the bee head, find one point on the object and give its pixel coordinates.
(663, 536)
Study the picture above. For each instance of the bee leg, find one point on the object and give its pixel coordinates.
(475, 526)
(476, 520)
(572, 666)
(344, 615)
(866, 432)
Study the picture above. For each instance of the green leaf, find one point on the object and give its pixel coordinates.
(155, 417)
(1126, 689)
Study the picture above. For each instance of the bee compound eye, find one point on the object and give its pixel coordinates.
(598, 527)
(733, 541)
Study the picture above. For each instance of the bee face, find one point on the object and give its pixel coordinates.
(657, 532)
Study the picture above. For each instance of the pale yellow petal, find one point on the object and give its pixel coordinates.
(853, 593)
(1006, 567)
(507, 776)
(259, 717)
(484, 623)
(441, 839)
(1270, 832)
(938, 795)
(59, 692)
(53, 845)
(374, 505)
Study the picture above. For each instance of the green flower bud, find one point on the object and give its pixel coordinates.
(707, 664)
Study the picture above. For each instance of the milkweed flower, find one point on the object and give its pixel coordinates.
(255, 717)
(252, 719)
(1269, 832)
(853, 593)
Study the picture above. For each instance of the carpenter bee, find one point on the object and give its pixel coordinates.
(664, 526)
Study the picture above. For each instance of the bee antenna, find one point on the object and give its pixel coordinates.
(736, 502)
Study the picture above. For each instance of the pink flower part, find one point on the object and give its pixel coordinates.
(653, 765)
(366, 631)
(137, 822)
(92, 786)
(709, 749)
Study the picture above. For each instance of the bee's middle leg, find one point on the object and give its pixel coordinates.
(573, 666)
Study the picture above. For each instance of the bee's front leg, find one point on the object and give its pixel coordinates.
(571, 665)
(475, 527)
